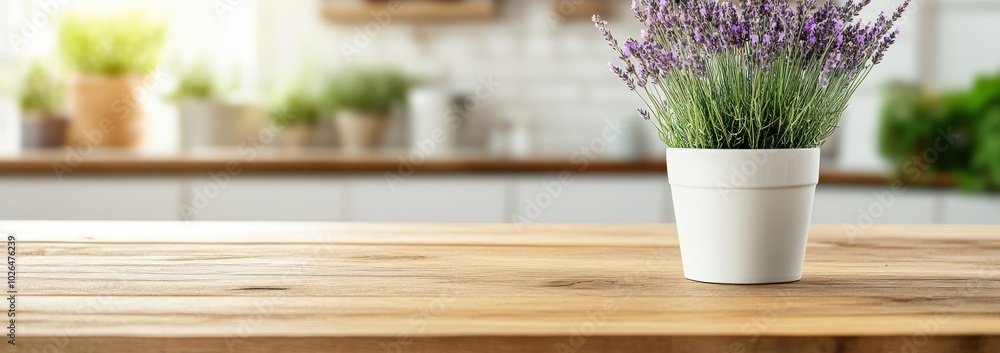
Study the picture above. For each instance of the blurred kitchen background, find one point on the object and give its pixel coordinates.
(435, 111)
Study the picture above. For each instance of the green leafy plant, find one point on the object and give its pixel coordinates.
(42, 91)
(196, 83)
(119, 45)
(366, 90)
(955, 132)
(297, 107)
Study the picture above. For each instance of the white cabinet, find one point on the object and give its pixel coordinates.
(875, 205)
(466, 198)
(428, 198)
(591, 199)
(971, 209)
(40, 197)
(265, 198)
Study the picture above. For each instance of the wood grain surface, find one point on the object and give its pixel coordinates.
(353, 287)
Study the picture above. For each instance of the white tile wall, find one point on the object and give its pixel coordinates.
(859, 132)
(968, 41)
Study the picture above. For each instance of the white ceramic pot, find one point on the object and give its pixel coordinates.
(207, 123)
(743, 215)
(432, 119)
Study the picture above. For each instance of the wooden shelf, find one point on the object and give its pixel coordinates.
(413, 10)
(336, 161)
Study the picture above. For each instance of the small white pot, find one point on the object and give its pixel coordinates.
(207, 123)
(743, 215)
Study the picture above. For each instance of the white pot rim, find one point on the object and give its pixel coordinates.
(740, 149)
(738, 169)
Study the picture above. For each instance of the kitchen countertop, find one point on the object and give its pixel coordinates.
(354, 287)
(336, 161)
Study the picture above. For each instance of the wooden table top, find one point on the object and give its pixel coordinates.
(355, 287)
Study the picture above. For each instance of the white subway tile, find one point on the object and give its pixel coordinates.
(553, 92)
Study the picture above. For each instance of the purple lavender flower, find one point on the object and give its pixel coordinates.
(683, 36)
(643, 113)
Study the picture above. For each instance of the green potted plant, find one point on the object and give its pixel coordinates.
(361, 100)
(926, 134)
(743, 94)
(43, 123)
(297, 113)
(206, 119)
(111, 58)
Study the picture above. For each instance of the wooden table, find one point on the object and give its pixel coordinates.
(323, 287)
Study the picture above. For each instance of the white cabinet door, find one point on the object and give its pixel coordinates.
(592, 199)
(460, 199)
(861, 205)
(39, 197)
(265, 198)
(972, 209)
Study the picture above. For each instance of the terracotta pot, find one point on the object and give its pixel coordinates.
(106, 111)
(297, 136)
(360, 131)
(43, 131)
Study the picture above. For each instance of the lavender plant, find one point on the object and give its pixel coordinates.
(760, 74)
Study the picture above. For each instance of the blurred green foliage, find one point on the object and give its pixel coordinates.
(116, 45)
(954, 132)
(41, 91)
(299, 106)
(371, 91)
(196, 83)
